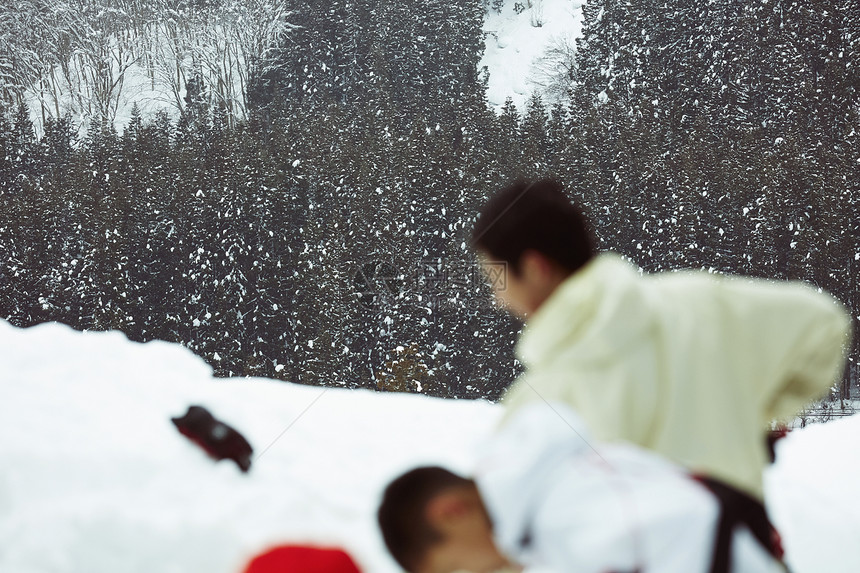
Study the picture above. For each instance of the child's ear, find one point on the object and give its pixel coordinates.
(445, 508)
(534, 264)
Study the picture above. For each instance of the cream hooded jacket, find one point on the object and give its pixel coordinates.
(689, 364)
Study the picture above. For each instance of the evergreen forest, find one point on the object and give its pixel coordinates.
(321, 235)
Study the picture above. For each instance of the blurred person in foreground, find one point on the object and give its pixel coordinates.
(548, 497)
(692, 365)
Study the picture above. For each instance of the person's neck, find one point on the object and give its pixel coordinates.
(549, 288)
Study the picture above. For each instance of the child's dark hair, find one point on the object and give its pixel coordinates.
(534, 215)
(402, 513)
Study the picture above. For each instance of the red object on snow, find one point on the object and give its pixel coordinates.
(302, 559)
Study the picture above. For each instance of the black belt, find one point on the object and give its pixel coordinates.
(738, 508)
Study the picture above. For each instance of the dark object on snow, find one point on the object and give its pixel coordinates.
(216, 438)
(773, 436)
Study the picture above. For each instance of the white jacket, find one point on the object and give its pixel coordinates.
(689, 364)
(593, 508)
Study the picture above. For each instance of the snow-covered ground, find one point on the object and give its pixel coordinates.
(516, 41)
(95, 478)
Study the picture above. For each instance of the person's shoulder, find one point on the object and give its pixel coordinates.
(610, 263)
(534, 386)
(745, 298)
(697, 284)
(528, 387)
(721, 280)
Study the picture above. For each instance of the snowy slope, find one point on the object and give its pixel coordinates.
(515, 41)
(95, 478)
(137, 88)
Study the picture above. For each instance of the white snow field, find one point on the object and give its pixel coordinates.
(95, 478)
(516, 41)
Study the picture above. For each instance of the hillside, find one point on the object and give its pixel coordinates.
(98, 58)
(116, 55)
(695, 135)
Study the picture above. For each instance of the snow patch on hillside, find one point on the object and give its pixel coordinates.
(108, 58)
(517, 40)
(71, 98)
(524, 41)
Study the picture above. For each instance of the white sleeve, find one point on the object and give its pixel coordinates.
(515, 464)
(590, 507)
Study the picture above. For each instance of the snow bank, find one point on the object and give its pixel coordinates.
(514, 41)
(95, 478)
(813, 497)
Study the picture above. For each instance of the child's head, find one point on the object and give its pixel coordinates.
(433, 521)
(541, 237)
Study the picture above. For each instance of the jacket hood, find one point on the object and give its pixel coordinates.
(587, 307)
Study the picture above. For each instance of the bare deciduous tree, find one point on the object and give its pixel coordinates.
(553, 73)
(78, 56)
